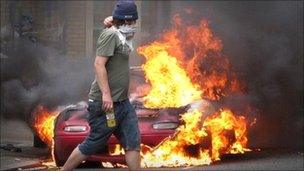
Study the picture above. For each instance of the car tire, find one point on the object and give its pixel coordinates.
(38, 143)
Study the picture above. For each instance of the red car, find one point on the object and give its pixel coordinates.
(71, 128)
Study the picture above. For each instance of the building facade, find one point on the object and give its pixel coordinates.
(73, 27)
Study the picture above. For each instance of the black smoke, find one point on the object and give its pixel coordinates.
(33, 74)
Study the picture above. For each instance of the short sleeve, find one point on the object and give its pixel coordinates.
(106, 44)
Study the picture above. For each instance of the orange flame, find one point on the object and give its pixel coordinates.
(168, 79)
(115, 150)
(198, 142)
(198, 52)
(175, 151)
(186, 65)
(44, 124)
(228, 133)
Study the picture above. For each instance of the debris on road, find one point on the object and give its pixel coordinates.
(11, 147)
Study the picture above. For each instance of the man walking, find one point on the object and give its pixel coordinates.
(110, 111)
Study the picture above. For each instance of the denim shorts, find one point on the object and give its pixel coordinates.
(126, 129)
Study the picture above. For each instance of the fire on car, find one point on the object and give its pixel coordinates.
(178, 102)
(71, 127)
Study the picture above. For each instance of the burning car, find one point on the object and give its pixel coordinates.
(71, 128)
(184, 76)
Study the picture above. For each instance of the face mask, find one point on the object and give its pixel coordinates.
(128, 30)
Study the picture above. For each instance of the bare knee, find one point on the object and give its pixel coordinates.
(133, 160)
(74, 160)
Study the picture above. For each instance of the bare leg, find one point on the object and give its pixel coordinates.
(133, 160)
(74, 160)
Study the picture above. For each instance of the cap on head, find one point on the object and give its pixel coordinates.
(125, 10)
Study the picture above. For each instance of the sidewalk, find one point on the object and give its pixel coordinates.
(18, 134)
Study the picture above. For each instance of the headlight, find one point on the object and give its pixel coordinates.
(165, 125)
(75, 128)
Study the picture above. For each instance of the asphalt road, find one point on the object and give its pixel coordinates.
(270, 159)
(30, 158)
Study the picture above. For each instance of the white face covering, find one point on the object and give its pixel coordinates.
(128, 30)
(126, 34)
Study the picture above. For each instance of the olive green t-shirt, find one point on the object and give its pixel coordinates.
(109, 45)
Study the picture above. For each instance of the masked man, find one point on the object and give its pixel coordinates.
(109, 91)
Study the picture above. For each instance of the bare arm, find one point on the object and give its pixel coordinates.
(102, 79)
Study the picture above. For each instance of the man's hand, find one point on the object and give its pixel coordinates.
(108, 21)
(107, 103)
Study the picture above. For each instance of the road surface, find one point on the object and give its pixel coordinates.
(18, 134)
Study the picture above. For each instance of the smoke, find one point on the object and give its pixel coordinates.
(33, 74)
(264, 43)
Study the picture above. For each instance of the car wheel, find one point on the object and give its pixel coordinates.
(38, 142)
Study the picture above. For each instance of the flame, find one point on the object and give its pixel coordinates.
(189, 146)
(228, 133)
(174, 151)
(111, 165)
(107, 164)
(115, 150)
(168, 79)
(198, 52)
(186, 65)
(44, 124)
